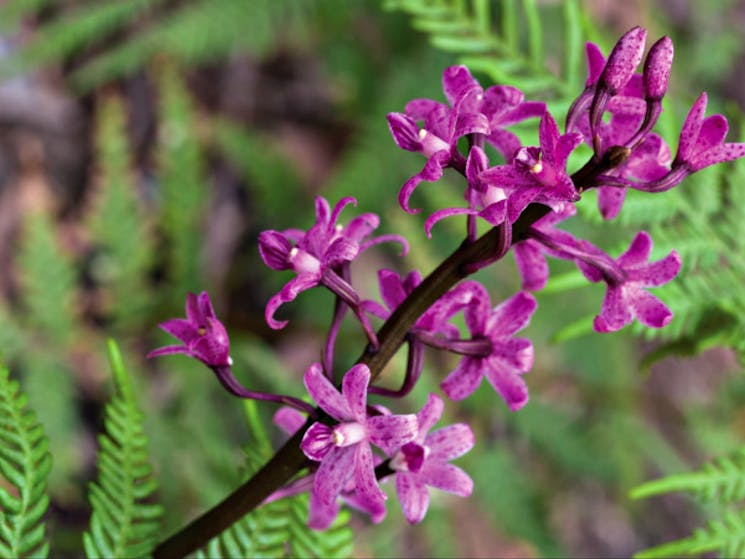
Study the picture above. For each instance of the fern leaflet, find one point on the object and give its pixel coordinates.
(25, 464)
(125, 521)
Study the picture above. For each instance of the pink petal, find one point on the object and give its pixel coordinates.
(691, 127)
(391, 288)
(274, 249)
(447, 477)
(511, 315)
(439, 215)
(325, 394)
(391, 432)
(464, 380)
(321, 514)
(413, 496)
(531, 264)
(595, 63)
(418, 109)
(649, 310)
(288, 293)
(614, 313)
(361, 226)
(719, 154)
(317, 441)
(193, 313)
(529, 109)
(657, 273)
(323, 211)
(429, 415)
(354, 389)
(610, 201)
(168, 350)
(333, 473)
(456, 81)
(713, 131)
(475, 164)
(365, 482)
(449, 442)
(564, 147)
(505, 142)
(184, 330)
(431, 172)
(507, 382)
(289, 420)
(638, 252)
(405, 132)
(548, 135)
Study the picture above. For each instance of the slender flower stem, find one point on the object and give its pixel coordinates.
(289, 459)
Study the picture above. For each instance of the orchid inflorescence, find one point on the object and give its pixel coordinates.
(523, 199)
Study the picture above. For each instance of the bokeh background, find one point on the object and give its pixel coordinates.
(144, 144)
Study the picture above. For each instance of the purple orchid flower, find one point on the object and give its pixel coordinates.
(627, 276)
(201, 334)
(437, 140)
(505, 358)
(318, 255)
(502, 105)
(343, 450)
(425, 462)
(538, 174)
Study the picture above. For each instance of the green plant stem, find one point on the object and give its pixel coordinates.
(289, 460)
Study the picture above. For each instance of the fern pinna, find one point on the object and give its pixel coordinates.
(24, 464)
(126, 519)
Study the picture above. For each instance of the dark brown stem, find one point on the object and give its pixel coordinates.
(289, 460)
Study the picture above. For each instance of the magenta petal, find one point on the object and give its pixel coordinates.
(505, 142)
(341, 250)
(405, 132)
(391, 432)
(413, 496)
(289, 420)
(439, 215)
(450, 442)
(719, 154)
(431, 172)
(365, 482)
(470, 123)
(288, 293)
(333, 473)
(638, 252)
(564, 147)
(321, 514)
(511, 315)
(595, 63)
(548, 135)
(456, 81)
(340, 205)
(508, 383)
(361, 226)
(529, 109)
(325, 394)
(447, 477)
(354, 389)
(429, 415)
(610, 201)
(657, 273)
(531, 264)
(184, 330)
(193, 312)
(274, 249)
(464, 380)
(317, 441)
(713, 131)
(614, 313)
(691, 128)
(168, 350)
(418, 109)
(323, 211)
(476, 163)
(391, 288)
(649, 310)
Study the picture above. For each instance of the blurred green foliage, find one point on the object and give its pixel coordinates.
(322, 76)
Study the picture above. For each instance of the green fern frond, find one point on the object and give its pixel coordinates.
(727, 537)
(117, 224)
(722, 480)
(125, 520)
(181, 177)
(25, 464)
(49, 304)
(336, 541)
(467, 29)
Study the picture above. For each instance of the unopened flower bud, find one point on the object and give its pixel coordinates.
(623, 60)
(657, 69)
